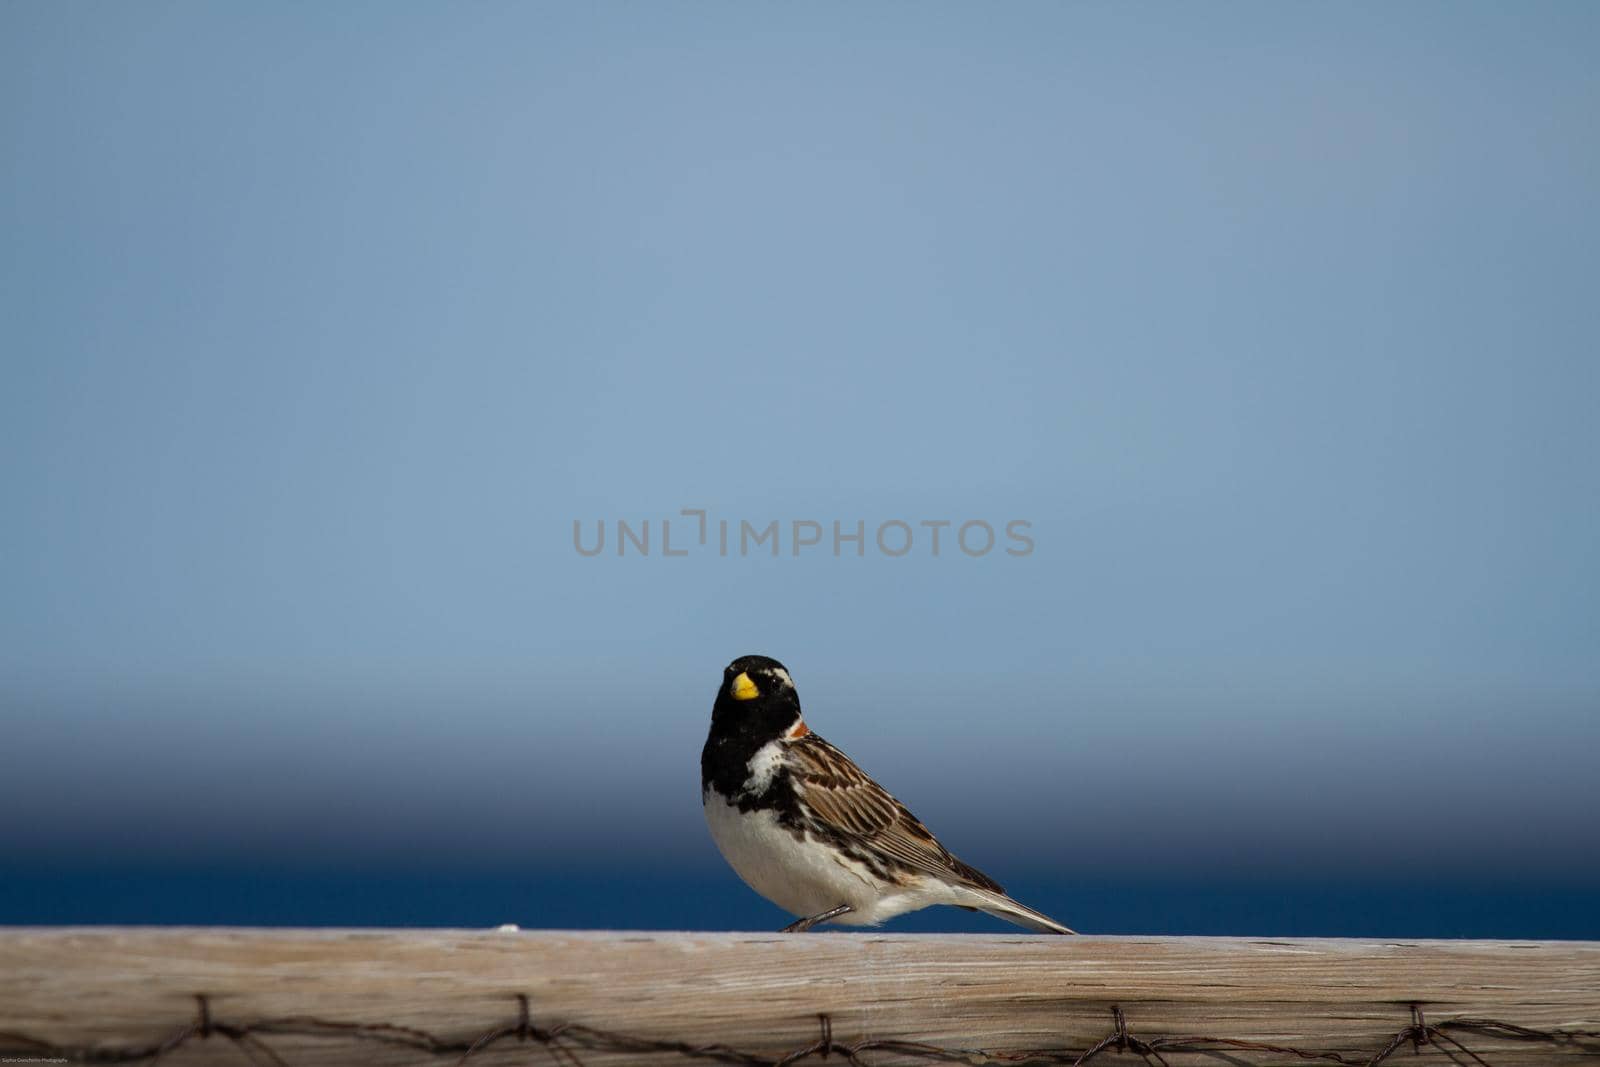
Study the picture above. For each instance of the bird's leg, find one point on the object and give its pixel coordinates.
(800, 926)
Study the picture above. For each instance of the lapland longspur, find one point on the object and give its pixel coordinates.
(810, 831)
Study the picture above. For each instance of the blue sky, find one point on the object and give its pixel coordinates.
(322, 324)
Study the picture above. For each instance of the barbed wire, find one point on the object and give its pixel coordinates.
(564, 1041)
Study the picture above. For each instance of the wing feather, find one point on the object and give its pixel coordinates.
(852, 805)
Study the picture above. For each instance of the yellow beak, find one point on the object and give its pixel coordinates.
(743, 688)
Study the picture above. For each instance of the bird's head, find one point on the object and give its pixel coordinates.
(758, 698)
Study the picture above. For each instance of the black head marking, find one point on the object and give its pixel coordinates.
(755, 704)
(759, 691)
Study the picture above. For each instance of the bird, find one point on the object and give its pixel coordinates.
(811, 831)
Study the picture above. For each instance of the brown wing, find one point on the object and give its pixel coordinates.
(860, 811)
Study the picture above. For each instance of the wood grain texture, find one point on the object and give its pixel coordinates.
(108, 988)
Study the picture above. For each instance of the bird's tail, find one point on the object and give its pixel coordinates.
(1003, 907)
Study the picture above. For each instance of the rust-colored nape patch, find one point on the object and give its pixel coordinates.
(799, 729)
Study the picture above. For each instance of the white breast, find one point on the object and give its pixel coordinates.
(801, 877)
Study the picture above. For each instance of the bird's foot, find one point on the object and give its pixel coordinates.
(800, 926)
